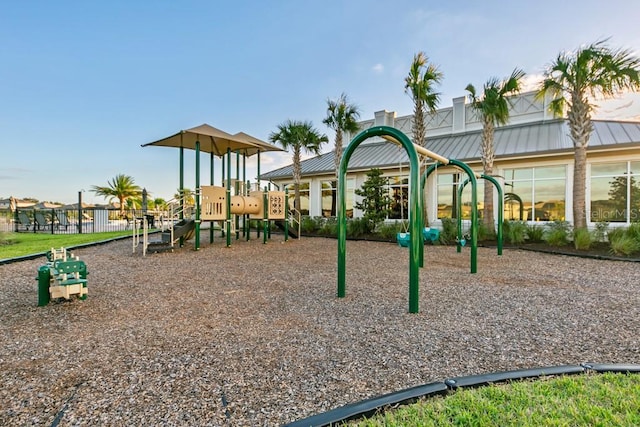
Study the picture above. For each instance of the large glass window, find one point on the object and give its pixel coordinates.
(447, 194)
(535, 194)
(330, 198)
(399, 195)
(448, 185)
(615, 192)
(304, 197)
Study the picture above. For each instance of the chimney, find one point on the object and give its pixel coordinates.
(459, 119)
(385, 118)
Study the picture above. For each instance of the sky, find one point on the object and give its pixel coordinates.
(84, 84)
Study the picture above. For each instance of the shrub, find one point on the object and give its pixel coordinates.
(558, 234)
(623, 244)
(449, 232)
(582, 239)
(485, 233)
(600, 233)
(634, 231)
(389, 231)
(329, 227)
(615, 233)
(515, 232)
(559, 225)
(358, 227)
(375, 199)
(557, 237)
(535, 233)
(310, 225)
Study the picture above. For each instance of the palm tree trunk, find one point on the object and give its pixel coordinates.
(121, 207)
(581, 127)
(579, 187)
(418, 124)
(337, 159)
(488, 156)
(296, 177)
(488, 217)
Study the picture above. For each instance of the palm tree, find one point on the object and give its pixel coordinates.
(341, 117)
(419, 84)
(298, 135)
(122, 187)
(187, 195)
(493, 108)
(159, 203)
(573, 80)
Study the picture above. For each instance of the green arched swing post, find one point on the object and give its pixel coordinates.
(500, 209)
(415, 216)
(474, 205)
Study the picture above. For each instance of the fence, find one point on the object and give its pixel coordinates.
(73, 221)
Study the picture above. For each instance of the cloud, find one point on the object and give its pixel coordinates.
(378, 68)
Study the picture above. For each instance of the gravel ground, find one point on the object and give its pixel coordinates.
(253, 335)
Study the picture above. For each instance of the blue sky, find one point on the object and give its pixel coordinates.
(84, 84)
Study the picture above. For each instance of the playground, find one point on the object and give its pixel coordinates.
(253, 334)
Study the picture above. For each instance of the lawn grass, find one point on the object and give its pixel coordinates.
(581, 400)
(13, 245)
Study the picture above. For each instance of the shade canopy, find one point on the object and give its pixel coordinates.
(213, 140)
(265, 146)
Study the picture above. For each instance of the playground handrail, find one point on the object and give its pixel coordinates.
(296, 217)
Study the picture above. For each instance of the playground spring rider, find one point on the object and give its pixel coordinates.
(61, 277)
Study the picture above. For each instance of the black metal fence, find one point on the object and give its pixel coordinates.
(74, 221)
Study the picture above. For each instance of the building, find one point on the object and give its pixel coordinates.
(533, 163)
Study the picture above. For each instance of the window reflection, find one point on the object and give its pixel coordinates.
(615, 192)
(399, 194)
(304, 197)
(535, 194)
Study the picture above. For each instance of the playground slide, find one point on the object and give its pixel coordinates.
(185, 228)
(292, 231)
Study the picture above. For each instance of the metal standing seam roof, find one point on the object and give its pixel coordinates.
(551, 136)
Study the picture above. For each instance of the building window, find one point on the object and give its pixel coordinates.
(447, 194)
(399, 195)
(448, 185)
(330, 198)
(535, 194)
(304, 197)
(615, 192)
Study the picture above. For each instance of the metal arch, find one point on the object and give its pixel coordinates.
(415, 216)
(500, 209)
(474, 205)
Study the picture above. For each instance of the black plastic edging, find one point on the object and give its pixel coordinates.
(497, 377)
(368, 407)
(619, 368)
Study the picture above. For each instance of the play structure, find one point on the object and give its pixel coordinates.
(229, 205)
(416, 232)
(63, 276)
